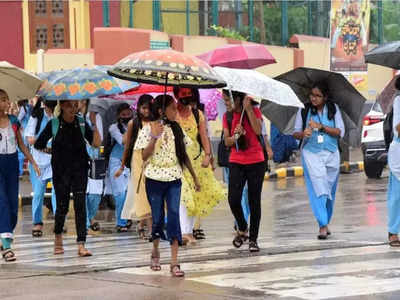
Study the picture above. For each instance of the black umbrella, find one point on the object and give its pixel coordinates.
(387, 55)
(341, 92)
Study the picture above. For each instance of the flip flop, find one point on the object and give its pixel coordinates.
(37, 233)
(155, 263)
(8, 255)
(84, 252)
(176, 271)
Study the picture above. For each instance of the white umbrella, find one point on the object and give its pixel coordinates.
(279, 104)
(18, 83)
(259, 85)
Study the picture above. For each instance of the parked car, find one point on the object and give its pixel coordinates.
(372, 142)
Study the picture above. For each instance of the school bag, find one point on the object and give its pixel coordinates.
(97, 166)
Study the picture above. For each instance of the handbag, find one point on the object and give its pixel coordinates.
(97, 168)
(224, 152)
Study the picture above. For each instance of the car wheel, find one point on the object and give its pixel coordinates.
(373, 169)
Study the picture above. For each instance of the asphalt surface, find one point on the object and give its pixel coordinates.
(354, 263)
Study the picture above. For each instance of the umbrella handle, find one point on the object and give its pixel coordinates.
(164, 97)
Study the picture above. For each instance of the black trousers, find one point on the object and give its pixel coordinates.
(65, 182)
(254, 175)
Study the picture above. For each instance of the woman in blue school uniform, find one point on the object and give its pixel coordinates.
(119, 184)
(393, 196)
(42, 113)
(10, 141)
(320, 131)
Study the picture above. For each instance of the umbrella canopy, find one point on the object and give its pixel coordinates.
(341, 91)
(81, 83)
(167, 67)
(387, 55)
(144, 88)
(239, 56)
(259, 85)
(18, 83)
(386, 97)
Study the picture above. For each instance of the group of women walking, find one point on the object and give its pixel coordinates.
(161, 170)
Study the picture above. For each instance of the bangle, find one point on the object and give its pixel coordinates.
(156, 137)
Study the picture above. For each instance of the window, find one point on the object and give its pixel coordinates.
(49, 24)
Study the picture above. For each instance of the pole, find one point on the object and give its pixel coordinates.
(284, 30)
(238, 14)
(251, 18)
(214, 12)
(309, 17)
(380, 25)
(106, 13)
(187, 17)
(156, 15)
(130, 13)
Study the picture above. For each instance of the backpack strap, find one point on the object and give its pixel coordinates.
(82, 125)
(15, 125)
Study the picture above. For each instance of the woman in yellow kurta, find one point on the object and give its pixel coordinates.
(196, 204)
(137, 206)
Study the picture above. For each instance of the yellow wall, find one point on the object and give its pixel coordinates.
(175, 23)
(378, 77)
(316, 53)
(284, 58)
(29, 59)
(143, 15)
(196, 45)
(79, 24)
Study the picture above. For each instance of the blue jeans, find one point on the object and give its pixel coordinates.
(159, 192)
(245, 195)
(92, 205)
(119, 205)
(9, 184)
(21, 159)
(39, 189)
(393, 204)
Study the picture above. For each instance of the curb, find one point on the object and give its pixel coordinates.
(298, 171)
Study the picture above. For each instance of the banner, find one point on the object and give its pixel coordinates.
(349, 34)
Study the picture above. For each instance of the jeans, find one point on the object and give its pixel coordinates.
(245, 195)
(39, 189)
(253, 174)
(9, 184)
(92, 205)
(64, 182)
(119, 205)
(159, 192)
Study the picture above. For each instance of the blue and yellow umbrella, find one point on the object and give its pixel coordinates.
(81, 83)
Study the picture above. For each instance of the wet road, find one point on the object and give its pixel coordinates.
(354, 263)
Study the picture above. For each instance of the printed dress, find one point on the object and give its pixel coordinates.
(212, 191)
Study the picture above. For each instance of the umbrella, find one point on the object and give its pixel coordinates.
(144, 88)
(18, 83)
(387, 55)
(167, 67)
(386, 97)
(342, 92)
(259, 85)
(240, 56)
(81, 83)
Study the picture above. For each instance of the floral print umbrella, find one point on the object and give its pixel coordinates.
(167, 67)
(81, 83)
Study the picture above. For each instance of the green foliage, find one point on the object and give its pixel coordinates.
(390, 20)
(227, 33)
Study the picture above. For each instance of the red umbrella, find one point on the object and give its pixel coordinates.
(144, 88)
(239, 56)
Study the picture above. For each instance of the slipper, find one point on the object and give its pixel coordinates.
(8, 255)
(395, 243)
(95, 226)
(176, 271)
(84, 252)
(37, 233)
(155, 263)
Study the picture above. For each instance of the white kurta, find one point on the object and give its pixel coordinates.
(394, 150)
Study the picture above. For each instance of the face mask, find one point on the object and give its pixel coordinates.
(186, 101)
(125, 120)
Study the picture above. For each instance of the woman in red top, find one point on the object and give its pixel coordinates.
(247, 163)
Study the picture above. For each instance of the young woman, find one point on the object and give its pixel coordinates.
(164, 154)
(42, 113)
(196, 203)
(136, 204)
(320, 131)
(70, 164)
(10, 138)
(94, 186)
(247, 164)
(393, 196)
(119, 184)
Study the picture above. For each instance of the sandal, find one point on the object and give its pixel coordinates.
(121, 229)
(37, 233)
(95, 226)
(129, 224)
(198, 234)
(240, 238)
(155, 263)
(8, 255)
(176, 271)
(394, 243)
(142, 234)
(84, 252)
(58, 248)
(253, 247)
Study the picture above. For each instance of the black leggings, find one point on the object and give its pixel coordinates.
(254, 175)
(65, 183)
